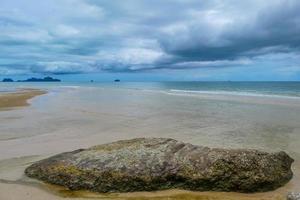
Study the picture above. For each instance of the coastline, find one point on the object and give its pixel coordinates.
(18, 98)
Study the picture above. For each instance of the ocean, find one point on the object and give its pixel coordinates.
(275, 89)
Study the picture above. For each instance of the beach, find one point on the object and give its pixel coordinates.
(69, 117)
(17, 99)
(156, 100)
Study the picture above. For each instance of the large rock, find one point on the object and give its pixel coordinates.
(158, 163)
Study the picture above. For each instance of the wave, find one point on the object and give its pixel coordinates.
(71, 86)
(230, 93)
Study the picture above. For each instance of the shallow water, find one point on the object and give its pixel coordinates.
(71, 117)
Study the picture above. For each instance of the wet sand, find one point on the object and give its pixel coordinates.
(18, 191)
(18, 98)
(53, 125)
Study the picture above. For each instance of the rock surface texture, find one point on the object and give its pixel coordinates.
(293, 196)
(158, 163)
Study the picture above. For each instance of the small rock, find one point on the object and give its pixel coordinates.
(293, 196)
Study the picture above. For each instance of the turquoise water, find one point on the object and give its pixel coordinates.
(283, 89)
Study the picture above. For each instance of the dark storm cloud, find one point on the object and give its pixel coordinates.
(78, 36)
(273, 26)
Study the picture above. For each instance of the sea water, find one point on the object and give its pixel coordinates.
(286, 89)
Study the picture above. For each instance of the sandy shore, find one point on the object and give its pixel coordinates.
(64, 123)
(19, 98)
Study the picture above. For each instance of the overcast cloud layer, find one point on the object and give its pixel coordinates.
(87, 36)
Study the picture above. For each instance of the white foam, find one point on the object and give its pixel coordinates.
(70, 86)
(228, 93)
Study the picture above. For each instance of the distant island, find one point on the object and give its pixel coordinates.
(117, 80)
(45, 79)
(7, 80)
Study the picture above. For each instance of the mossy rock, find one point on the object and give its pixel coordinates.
(147, 164)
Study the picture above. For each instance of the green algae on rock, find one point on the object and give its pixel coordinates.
(147, 164)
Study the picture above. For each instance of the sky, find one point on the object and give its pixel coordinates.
(151, 40)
